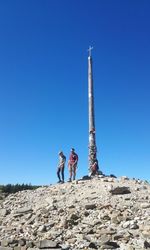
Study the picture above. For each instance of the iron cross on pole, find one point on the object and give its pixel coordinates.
(89, 50)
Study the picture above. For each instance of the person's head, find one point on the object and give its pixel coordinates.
(72, 150)
(60, 153)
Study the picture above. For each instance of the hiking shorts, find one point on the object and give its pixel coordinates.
(72, 166)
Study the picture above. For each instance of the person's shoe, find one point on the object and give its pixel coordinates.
(59, 181)
(62, 182)
(69, 180)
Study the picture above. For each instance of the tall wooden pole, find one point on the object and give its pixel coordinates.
(92, 136)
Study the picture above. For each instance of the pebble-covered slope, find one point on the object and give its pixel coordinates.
(101, 213)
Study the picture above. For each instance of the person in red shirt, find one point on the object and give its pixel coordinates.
(72, 164)
(94, 168)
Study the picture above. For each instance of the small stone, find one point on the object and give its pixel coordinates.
(47, 244)
(34, 248)
(124, 178)
(24, 210)
(5, 248)
(115, 219)
(42, 228)
(145, 205)
(17, 248)
(93, 245)
(3, 212)
(146, 244)
(130, 248)
(73, 217)
(31, 219)
(126, 224)
(22, 242)
(113, 176)
(107, 232)
(133, 225)
(90, 206)
(120, 190)
(118, 236)
(29, 244)
(86, 177)
(24, 248)
(110, 245)
(4, 243)
(65, 247)
(72, 240)
(146, 234)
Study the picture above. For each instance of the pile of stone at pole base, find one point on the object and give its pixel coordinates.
(101, 212)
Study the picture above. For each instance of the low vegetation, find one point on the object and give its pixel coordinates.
(10, 188)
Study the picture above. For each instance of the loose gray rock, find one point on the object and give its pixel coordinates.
(24, 210)
(110, 245)
(4, 243)
(3, 212)
(90, 206)
(120, 190)
(6, 248)
(145, 205)
(146, 244)
(47, 244)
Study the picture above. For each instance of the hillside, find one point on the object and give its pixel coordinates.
(100, 213)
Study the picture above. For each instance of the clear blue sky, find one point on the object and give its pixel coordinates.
(43, 86)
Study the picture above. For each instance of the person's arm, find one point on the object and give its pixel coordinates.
(76, 161)
(69, 160)
(63, 162)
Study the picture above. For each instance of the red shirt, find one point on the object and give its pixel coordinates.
(73, 158)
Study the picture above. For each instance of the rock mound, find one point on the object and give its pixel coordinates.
(99, 213)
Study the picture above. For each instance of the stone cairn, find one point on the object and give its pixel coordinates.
(100, 213)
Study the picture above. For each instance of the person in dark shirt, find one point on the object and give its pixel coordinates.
(72, 164)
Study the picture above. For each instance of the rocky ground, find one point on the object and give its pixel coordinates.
(100, 213)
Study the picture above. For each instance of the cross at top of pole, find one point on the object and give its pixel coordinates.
(89, 50)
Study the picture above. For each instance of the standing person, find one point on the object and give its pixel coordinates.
(72, 164)
(61, 167)
(94, 168)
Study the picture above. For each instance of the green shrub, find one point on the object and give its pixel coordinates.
(9, 188)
